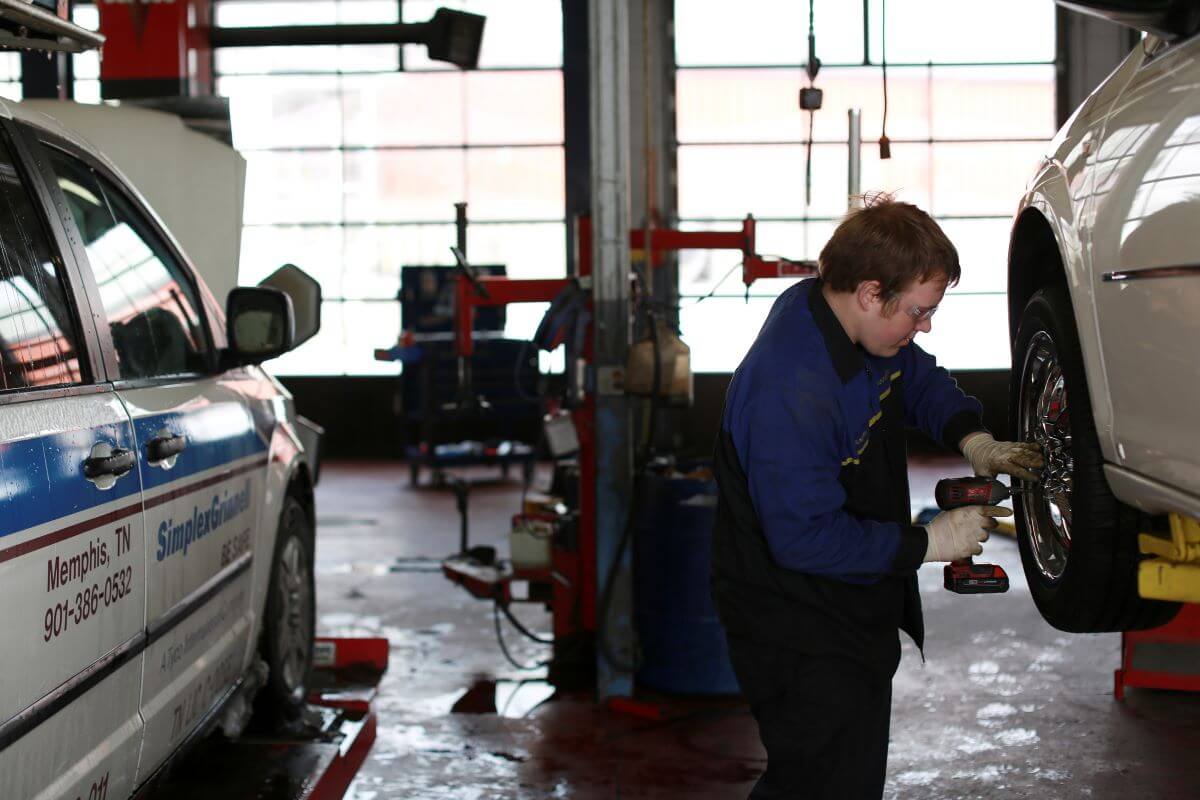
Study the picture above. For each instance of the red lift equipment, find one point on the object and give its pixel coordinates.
(317, 765)
(569, 585)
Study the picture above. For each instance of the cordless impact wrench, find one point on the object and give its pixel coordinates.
(965, 576)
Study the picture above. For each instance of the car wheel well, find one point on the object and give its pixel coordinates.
(1034, 262)
(300, 487)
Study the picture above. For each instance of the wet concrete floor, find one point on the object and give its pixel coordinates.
(1005, 706)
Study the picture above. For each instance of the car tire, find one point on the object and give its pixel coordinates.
(286, 644)
(1078, 542)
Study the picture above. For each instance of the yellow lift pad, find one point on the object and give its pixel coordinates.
(1174, 574)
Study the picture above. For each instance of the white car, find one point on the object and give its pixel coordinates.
(1104, 310)
(156, 503)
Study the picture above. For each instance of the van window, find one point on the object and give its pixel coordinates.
(149, 303)
(38, 336)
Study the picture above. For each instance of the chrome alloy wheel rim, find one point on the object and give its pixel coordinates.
(1045, 419)
(295, 633)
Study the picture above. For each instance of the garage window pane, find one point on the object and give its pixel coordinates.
(316, 249)
(259, 13)
(720, 330)
(424, 185)
(350, 333)
(982, 251)
(951, 31)
(527, 250)
(970, 332)
(281, 112)
(764, 180)
(264, 13)
(516, 183)
(509, 107)
(404, 185)
(85, 65)
(759, 105)
(907, 174)
(380, 109)
(10, 66)
(982, 178)
(293, 187)
(765, 32)
(306, 59)
(376, 253)
(991, 103)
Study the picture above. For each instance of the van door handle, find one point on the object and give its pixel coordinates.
(115, 463)
(163, 447)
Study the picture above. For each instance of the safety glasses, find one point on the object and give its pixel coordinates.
(921, 313)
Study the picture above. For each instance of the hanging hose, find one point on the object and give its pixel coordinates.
(885, 144)
(640, 463)
(516, 623)
(496, 608)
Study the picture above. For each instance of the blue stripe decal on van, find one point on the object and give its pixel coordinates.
(41, 479)
(24, 488)
(208, 442)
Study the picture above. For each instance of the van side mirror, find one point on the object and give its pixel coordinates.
(260, 324)
(305, 294)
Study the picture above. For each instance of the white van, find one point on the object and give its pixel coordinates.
(156, 505)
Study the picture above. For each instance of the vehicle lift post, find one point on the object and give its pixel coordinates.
(1166, 657)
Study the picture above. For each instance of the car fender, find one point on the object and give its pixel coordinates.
(287, 471)
(1050, 197)
(1060, 195)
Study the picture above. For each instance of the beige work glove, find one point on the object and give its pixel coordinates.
(960, 532)
(991, 458)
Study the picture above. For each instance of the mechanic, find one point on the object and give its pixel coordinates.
(814, 557)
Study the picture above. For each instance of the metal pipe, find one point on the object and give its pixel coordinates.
(313, 35)
(453, 36)
(460, 227)
(855, 141)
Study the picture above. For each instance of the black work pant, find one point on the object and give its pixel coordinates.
(823, 721)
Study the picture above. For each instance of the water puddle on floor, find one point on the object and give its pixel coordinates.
(507, 698)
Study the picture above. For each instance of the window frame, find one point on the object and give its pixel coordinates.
(49, 140)
(936, 138)
(77, 300)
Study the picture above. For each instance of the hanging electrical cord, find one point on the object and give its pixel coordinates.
(496, 608)
(641, 461)
(713, 290)
(808, 162)
(810, 99)
(516, 623)
(885, 145)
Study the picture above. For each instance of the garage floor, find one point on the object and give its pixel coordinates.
(1004, 707)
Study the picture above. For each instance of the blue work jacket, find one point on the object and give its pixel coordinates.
(813, 530)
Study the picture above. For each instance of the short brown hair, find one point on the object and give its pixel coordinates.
(891, 242)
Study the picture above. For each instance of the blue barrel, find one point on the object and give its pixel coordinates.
(682, 642)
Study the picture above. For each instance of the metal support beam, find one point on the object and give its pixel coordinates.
(50, 77)
(577, 148)
(609, 80)
(47, 76)
(453, 36)
(653, 187)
